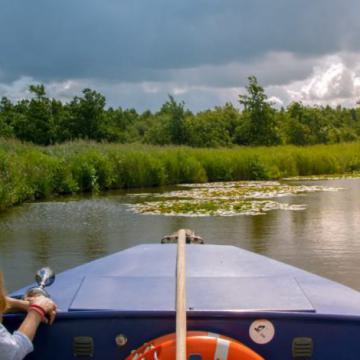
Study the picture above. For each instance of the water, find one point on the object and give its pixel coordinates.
(66, 232)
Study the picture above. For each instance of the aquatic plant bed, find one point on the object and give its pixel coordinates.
(354, 175)
(223, 199)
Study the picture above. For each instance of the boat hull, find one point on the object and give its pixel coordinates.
(333, 337)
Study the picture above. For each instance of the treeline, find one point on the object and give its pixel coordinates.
(45, 121)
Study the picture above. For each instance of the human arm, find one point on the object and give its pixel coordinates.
(17, 345)
(30, 324)
(14, 346)
(14, 305)
(39, 309)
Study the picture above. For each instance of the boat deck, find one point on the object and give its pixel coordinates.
(219, 278)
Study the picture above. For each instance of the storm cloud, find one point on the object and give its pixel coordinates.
(136, 52)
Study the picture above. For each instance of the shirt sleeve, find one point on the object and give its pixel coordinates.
(14, 346)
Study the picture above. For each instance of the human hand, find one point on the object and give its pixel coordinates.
(45, 305)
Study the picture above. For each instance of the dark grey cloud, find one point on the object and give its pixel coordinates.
(272, 68)
(137, 52)
(147, 40)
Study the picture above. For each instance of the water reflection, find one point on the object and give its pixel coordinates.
(42, 245)
(322, 239)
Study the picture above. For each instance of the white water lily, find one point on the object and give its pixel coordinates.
(223, 199)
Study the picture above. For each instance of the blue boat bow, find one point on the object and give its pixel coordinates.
(229, 290)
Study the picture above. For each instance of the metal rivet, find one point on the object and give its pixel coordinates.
(121, 340)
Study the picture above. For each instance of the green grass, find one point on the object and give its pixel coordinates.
(29, 172)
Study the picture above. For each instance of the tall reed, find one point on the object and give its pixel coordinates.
(29, 172)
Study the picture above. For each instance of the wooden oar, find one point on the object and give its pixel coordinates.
(181, 297)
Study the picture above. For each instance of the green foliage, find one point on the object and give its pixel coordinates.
(87, 115)
(175, 113)
(159, 131)
(45, 121)
(259, 126)
(136, 169)
(30, 172)
(212, 128)
(38, 90)
(91, 170)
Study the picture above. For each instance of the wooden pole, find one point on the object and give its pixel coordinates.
(181, 297)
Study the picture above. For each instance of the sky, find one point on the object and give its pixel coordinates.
(137, 52)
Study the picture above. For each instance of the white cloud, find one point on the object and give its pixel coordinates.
(276, 101)
(336, 81)
(62, 90)
(17, 89)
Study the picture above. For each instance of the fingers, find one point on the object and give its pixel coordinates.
(52, 316)
(51, 313)
(48, 306)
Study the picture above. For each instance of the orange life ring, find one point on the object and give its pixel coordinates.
(208, 345)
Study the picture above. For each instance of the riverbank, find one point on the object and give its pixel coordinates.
(29, 172)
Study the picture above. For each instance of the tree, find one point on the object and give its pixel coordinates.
(87, 115)
(158, 131)
(117, 123)
(6, 116)
(61, 117)
(212, 128)
(176, 114)
(39, 117)
(38, 90)
(32, 119)
(259, 123)
(296, 130)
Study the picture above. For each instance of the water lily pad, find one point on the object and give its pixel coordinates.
(211, 208)
(354, 175)
(223, 199)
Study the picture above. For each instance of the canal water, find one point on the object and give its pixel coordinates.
(324, 238)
